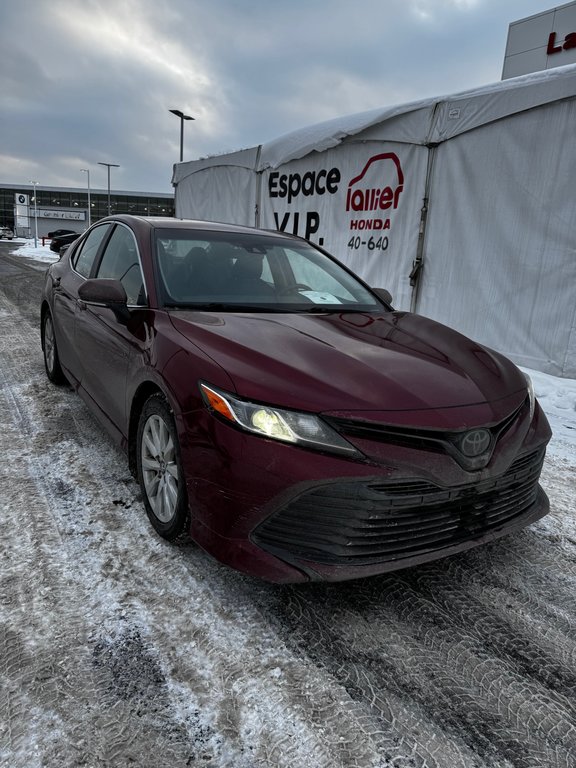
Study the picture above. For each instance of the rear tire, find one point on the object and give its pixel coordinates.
(50, 349)
(160, 471)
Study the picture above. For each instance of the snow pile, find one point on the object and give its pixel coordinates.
(38, 253)
(558, 400)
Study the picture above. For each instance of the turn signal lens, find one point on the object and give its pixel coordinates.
(217, 402)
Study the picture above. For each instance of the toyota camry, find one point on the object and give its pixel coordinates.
(279, 411)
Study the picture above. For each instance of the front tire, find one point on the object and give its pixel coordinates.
(50, 349)
(160, 470)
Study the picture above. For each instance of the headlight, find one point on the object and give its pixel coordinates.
(531, 395)
(303, 429)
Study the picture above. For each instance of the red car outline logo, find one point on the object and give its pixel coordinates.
(375, 198)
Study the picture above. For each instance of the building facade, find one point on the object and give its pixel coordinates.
(543, 41)
(36, 211)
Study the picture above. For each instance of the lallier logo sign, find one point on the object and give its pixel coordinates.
(370, 198)
(556, 46)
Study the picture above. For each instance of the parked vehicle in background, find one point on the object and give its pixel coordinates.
(58, 232)
(279, 410)
(7, 233)
(59, 241)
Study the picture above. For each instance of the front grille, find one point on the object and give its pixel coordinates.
(361, 523)
(431, 440)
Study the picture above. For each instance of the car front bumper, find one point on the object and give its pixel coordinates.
(286, 514)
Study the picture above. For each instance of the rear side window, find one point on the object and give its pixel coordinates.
(83, 259)
(120, 261)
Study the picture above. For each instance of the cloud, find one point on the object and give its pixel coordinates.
(91, 81)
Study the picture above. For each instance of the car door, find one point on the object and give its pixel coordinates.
(65, 286)
(106, 336)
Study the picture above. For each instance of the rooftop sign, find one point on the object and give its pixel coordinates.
(541, 42)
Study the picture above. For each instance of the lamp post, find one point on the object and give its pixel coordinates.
(109, 165)
(34, 185)
(85, 170)
(182, 117)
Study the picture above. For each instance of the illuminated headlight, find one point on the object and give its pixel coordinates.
(531, 395)
(303, 429)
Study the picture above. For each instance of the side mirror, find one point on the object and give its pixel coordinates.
(111, 293)
(383, 294)
(107, 293)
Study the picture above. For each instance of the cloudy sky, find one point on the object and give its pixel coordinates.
(88, 81)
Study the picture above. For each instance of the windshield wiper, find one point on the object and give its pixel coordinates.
(218, 306)
(286, 309)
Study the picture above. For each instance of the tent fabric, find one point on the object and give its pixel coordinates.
(476, 187)
(436, 119)
(506, 272)
(468, 111)
(244, 158)
(236, 195)
(383, 257)
(411, 122)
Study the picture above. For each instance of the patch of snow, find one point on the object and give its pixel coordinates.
(39, 253)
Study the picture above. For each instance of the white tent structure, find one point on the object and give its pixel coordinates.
(464, 207)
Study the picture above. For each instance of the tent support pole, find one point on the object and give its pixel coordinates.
(418, 263)
(258, 201)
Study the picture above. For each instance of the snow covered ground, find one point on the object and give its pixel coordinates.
(118, 649)
(27, 249)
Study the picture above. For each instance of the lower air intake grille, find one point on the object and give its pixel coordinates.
(361, 523)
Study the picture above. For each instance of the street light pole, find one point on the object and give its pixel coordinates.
(109, 165)
(34, 185)
(85, 170)
(182, 117)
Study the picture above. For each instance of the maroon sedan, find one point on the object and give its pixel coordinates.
(279, 411)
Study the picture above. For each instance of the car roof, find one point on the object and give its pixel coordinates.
(166, 222)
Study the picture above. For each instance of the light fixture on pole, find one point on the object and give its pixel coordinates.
(34, 185)
(182, 117)
(85, 170)
(109, 165)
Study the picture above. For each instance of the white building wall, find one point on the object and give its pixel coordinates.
(540, 42)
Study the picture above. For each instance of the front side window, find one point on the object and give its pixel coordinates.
(120, 261)
(83, 258)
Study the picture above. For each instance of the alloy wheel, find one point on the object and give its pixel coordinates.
(49, 344)
(159, 468)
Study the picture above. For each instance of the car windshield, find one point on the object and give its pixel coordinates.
(244, 271)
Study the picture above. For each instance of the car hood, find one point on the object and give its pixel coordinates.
(363, 364)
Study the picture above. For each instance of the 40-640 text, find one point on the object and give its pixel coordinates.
(372, 244)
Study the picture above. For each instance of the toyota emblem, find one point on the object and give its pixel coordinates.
(475, 443)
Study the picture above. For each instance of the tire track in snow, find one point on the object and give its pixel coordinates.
(398, 637)
(58, 593)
